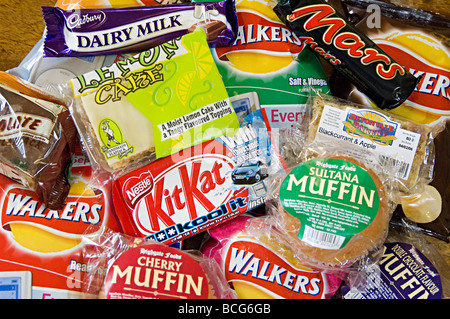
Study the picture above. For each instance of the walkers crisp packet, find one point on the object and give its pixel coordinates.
(267, 58)
(43, 246)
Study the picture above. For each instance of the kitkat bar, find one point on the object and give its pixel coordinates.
(178, 196)
(386, 82)
(102, 31)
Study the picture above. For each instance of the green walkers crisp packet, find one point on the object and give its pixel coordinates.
(267, 58)
(152, 104)
(334, 199)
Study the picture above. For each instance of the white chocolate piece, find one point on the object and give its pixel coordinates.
(424, 207)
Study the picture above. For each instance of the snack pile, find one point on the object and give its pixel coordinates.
(235, 149)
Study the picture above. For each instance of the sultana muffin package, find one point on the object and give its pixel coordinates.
(338, 195)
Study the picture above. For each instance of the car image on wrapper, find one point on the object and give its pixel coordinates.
(249, 172)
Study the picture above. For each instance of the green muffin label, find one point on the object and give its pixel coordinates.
(334, 199)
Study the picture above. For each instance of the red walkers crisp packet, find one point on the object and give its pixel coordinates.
(43, 247)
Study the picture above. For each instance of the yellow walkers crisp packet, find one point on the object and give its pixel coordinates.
(152, 105)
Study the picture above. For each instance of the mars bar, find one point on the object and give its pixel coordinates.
(387, 83)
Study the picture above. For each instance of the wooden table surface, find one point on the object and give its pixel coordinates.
(21, 26)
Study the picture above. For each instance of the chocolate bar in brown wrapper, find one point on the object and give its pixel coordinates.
(37, 139)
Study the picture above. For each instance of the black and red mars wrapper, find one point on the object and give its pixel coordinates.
(387, 83)
(85, 32)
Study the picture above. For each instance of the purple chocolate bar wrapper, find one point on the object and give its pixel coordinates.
(84, 32)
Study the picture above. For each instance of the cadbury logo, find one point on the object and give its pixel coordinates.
(137, 187)
(76, 20)
(323, 16)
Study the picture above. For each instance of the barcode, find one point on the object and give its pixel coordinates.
(321, 239)
(354, 294)
(403, 167)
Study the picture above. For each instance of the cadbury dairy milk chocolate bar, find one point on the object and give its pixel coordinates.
(85, 32)
(387, 83)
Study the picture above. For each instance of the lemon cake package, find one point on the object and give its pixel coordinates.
(264, 265)
(117, 263)
(41, 249)
(268, 60)
(417, 39)
(37, 138)
(151, 105)
(87, 32)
